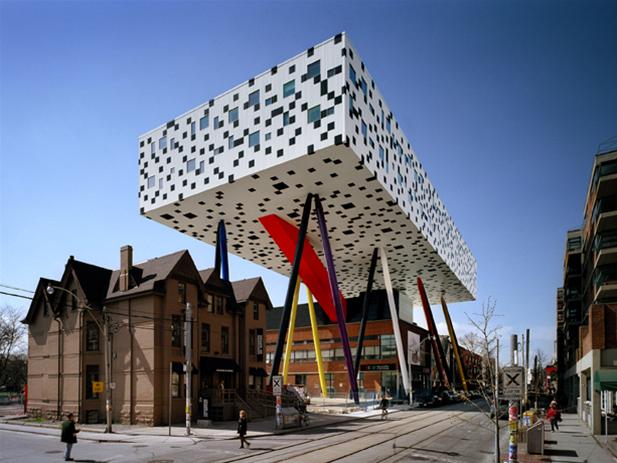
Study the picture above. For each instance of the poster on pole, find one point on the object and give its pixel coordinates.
(413, 348)
(513, 380)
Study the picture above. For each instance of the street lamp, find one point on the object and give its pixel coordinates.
(104, 328)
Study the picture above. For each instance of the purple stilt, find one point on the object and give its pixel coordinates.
(340, 318)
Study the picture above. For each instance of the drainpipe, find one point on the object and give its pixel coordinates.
(59, 404)
(131, 391)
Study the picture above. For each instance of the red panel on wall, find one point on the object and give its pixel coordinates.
(312, 272)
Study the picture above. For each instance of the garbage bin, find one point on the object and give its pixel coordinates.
(535, 438)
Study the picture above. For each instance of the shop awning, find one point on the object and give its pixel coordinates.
(178, 367)
(258, 372)
(605, 380)
(212, 364)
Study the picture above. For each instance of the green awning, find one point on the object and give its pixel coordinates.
(605, 380)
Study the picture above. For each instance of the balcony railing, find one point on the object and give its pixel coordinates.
(605, 240)
(607, 168)
(607, 204)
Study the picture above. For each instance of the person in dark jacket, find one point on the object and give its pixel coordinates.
(242, 427)
(69, 436)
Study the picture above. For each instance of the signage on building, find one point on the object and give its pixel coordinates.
(385, 367)
(513, 380)
(413, 348)
(277, 385)
(97, 386)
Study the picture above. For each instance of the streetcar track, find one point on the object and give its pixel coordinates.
(406, 421)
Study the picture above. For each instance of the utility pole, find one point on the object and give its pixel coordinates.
(513, 408)
(496, 398)
(107, 352)
(527, 366)
(188, 349)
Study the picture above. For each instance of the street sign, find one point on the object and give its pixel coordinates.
(513, 383)
(277, 385)
(97, 386)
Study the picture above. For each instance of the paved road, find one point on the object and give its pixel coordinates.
(450, 434)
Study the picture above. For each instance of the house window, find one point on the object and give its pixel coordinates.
(233, 115)
(205, 337)
(182, 288)
(314, 114)
(210, 303)
(254, 139)
(254, 98)
(176, 330)
(92, 337)
(289, 88)
(255, 311)
(175, 384)
(219, 304)
(162, 143)
(252, 342)
(190, 165)
(312, 69)
(92, 374)
(352, 74)
(203, 122)
(225, 340)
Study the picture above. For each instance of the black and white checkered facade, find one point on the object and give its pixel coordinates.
(315, 123)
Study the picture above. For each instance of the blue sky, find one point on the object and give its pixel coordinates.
(504, 102)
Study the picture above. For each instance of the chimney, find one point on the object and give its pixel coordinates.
(126, 263)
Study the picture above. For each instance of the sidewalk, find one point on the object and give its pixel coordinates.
(218, 430)
(572, 443)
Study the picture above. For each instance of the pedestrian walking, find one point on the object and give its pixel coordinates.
(383, 404)
(554, 416)
(69, 436)
(242, 428)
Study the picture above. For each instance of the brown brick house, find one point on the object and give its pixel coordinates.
(145, 304)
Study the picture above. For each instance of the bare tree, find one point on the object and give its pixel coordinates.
(484, 342)
(12, 347)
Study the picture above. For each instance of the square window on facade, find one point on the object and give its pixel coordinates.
(313, 69)
(352, 74)
(363, 129)
(216, 122)
(190, 165)
(314, 114)
(152, 148)
(162, 143)
(285, 118)
(268, 136)
(193, 129)
(254, 98)
(172, 143)
(151, 181)
(363, 86)
(203, 122)
(254, 139)
(289, 88)
(233, 115)
(230, 142)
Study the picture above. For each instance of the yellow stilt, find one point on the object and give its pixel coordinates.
(322, 376)
(290, 332)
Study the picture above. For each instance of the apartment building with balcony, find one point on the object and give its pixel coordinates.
(589, 303)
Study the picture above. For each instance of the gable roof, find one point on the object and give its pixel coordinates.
(92, 279)
(251, 287)
(146, 275)
(40, 296)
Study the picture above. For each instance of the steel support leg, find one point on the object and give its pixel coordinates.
(222, 261)
(440, 357)
(455, 347)
(290, 333)
(340, 318)
(278, 353)
(396, 327)
(369, 286)
(315, 331)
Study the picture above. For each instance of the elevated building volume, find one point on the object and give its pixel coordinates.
(316, 123)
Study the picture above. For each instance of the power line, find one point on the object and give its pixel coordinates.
(18, 289)
(15, 295)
